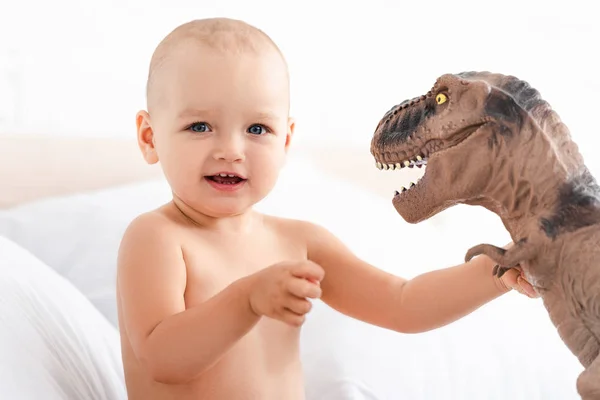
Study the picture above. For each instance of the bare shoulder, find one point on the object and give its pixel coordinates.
(152, 246)
(158, 227)
(149, 237)
(289, 224)
(158, 218)
(282, 226)
(310, 234)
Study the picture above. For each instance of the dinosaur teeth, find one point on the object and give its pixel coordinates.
(418, 162)
(411, 179)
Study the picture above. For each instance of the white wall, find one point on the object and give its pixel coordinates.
(78, 67)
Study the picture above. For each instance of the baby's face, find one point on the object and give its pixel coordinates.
(222, 114)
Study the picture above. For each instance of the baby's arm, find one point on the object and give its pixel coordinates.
(425, 302)
(175, 344)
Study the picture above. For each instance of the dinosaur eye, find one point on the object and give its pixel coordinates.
(441, 98)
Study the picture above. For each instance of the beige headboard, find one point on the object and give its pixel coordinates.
(33, 167)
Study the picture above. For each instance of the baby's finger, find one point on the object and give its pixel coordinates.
(510, 278)
(311, 280)
(291, 318)
(298, 305)
(303, 288)
(526, 287)
(309, 270)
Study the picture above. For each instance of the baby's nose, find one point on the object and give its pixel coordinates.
(230, 149)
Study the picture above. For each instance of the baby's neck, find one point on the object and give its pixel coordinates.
(237, 223)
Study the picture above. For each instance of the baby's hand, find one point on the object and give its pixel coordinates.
(281, 290)
(514, 279)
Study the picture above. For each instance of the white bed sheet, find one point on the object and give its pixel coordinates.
(506, 350)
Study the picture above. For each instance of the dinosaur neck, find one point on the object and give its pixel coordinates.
(525, 187)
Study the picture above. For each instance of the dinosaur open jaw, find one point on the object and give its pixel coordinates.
(412, 170)
(414, 185)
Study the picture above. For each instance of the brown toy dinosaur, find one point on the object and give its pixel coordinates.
(491, 140)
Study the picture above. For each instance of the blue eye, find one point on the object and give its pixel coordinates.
(257, 129)
(199, 127)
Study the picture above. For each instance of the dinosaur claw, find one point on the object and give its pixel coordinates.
(501, 271)
(472, 252)
(494, 252)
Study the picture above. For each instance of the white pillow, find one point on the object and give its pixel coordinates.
(54, 344)
(79, 235)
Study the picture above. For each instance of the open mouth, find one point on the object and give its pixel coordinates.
(413, 170)
(225, 179)
(413, 162)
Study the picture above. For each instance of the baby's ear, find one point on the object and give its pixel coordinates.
(290, 132)
(145, 137)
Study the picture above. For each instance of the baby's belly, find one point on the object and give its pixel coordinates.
(252, 369)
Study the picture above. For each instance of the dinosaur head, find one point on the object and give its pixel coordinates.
(460, 134)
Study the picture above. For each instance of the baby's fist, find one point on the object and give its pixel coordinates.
(281, 291)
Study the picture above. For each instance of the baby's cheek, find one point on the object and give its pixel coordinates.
(266, 164)
(270, 169)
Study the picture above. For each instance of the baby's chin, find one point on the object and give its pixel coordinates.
(225, 208)
(201, 210)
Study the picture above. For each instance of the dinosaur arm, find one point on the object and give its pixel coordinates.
(428, 301)
(505, 259)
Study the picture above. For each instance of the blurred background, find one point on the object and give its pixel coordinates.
(78, 68)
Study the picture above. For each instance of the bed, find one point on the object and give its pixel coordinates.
(65, 202)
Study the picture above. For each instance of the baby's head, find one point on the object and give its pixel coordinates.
(218, 104)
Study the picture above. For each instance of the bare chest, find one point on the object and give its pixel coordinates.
(213, 264)
(216, 264)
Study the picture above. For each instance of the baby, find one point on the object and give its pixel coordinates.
(211, 293)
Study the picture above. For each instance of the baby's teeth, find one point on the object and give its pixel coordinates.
(231, 176)
(223, 175)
